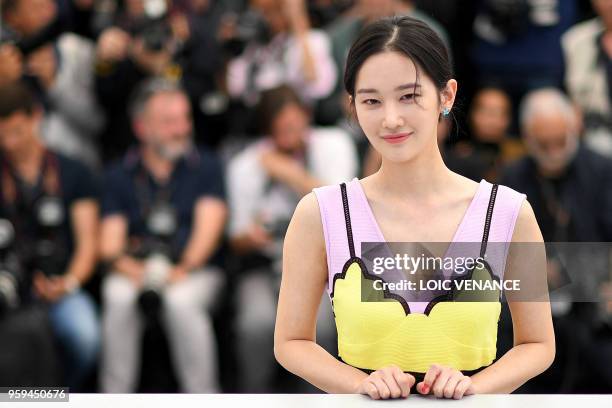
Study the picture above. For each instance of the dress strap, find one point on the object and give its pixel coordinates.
(347, 219)
(487, 226)
(349, 229)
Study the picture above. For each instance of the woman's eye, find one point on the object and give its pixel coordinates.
(370, 101)
(408, 97)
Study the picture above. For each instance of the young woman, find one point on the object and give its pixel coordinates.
(400, 83)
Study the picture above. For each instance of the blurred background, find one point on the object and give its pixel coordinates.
(152, 153)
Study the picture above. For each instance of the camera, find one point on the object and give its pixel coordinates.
(157, 269)
(251, 26)
(509, 16)
(278, 228)
(155, 36)
(158, 254)
(50, 253)
(155, 31)
(11, 274)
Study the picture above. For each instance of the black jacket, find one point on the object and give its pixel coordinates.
(584, 191)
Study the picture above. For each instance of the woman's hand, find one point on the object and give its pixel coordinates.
(388, 382)
(445, 382)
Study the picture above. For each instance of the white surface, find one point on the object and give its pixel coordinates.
(318, 400)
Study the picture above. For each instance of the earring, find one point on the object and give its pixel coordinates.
(445, 112)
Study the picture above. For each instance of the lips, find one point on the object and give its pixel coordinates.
(397, 138)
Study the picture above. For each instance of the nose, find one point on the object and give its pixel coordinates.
(392, 119)
(181, 127)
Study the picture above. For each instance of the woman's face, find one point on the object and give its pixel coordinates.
(399, 119)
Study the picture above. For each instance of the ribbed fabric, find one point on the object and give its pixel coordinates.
(365, 229)
(375, 334)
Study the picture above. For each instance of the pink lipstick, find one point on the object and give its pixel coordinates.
(396, 138)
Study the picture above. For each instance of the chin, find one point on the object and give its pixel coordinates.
(399, 157)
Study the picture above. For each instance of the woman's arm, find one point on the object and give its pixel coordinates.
(303, 281)
(534, 338)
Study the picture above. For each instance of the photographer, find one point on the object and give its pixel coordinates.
(517, 44)
(265, 183)
(163, 216)
(588, 58)
(59, 65)
(281, 49)
(148, 38)
(569, 187)
(50, 202)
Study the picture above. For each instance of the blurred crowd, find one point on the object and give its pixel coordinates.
(152, 153)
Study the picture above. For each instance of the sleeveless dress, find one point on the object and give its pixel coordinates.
(414, 335)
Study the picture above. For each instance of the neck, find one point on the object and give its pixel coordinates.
(607, 41)
(27, 162)
(294, 152)
(551, 174)
(159, 167)
(421, 178)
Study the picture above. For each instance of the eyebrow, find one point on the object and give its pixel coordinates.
(399, 88)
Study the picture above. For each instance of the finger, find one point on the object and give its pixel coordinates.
(389, 379)
(41, 278)
(470, 390)
(372, 391)
(451, 384)
(42, 286)
(383, 390)
(38, 286)
(440, 382)
(430, 376)
(404, 381)
(53, 294)
(51, 287)
(461, 388)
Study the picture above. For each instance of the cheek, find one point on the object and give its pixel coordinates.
(11, 141)
(369, 119)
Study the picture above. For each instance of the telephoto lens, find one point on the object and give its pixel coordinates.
(10, 270)
(157, 269)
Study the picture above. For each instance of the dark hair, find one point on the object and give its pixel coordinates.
(7, 6)
(405, 35)
(15, 97)
(272, 102)
(490, 88)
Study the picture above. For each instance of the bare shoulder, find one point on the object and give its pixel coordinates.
(307, 212)
(304, 253)
(526, 228)
(308, 207)
(306, 228)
